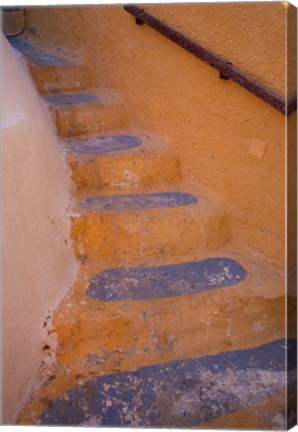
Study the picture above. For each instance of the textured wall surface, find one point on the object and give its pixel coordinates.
(38, 266)
(252, 36)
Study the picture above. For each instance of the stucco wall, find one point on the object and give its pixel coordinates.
(37, 262)
(250, 35)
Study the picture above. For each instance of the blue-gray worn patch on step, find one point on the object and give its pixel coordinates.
(182, 393)
(22, 46)
(103, 144)
(139, 283)
(138, 201)
(37, 57)
(70, 99)
(48, 60)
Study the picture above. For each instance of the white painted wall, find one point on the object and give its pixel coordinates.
(37, 261)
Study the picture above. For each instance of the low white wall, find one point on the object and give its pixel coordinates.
(37, 261)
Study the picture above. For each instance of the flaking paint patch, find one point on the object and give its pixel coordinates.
(138, 201)
(70, 99)
(103, 144)
(165, 281)
(182, 393)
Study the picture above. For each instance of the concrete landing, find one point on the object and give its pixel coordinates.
(138, 201)
(141, 283)
(181, 393)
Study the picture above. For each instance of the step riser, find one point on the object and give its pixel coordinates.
(150, 234)
(88, 119)
(135, 333)
(123, 173)
(50, 79)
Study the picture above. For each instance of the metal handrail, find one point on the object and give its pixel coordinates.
(226, 69)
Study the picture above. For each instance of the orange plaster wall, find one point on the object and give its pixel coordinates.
(250, 35)
(227, 139)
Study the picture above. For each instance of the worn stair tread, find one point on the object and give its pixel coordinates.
(121, 162)
(103, 144)
(22, 45)
(70, 99)
(235, 316)
(139, 283)
(87, 113)
(97, 339)
(54, 70)
(151, 224)
(44, 58)
(181, 393)
(258, 271)
(145, 201)
(76, 98)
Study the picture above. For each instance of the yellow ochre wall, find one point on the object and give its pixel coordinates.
(37, 264)
(227, 139)
(252, 36)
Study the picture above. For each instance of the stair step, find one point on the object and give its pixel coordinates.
(22, 45)
(138, 201)
(96, 338)
(56, 78)
(146, 330)
(121, 162)
(182, 393)
(43, 58)
(52, 72)
(150, 225)
(86, 113)
(139, 283)
(70, 99)
(103, 144)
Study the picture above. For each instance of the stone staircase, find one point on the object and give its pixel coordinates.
(169, 323)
